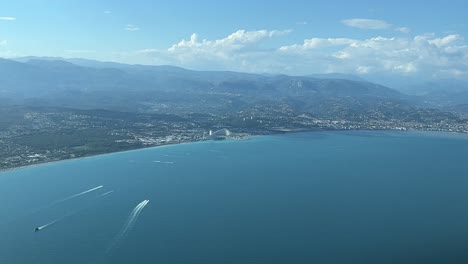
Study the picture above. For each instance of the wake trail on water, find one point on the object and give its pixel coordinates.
(49, 224)
(106, 193)
(165, 162)
(79, 194)
(54, 204)
(62, 218)
(173, 156)
(66, 199)
(128, 226)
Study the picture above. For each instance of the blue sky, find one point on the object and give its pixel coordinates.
(423, 38)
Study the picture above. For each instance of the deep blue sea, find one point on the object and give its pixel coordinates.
(322, 197)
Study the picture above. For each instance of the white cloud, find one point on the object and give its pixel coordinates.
(364, 23)
(107, 12)
(228, 49)
(8, 18)
(422, 55)
(3, 42)
(131, 27)
(315, 43)
(237, 51)
(406, 68)
(405, 30)
(446, 41)
(342, 55)
(8, 54)
(147, 51)
(362, 69)
(236, 40)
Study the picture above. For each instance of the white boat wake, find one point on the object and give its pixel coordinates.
(173, 156)
(106, 193)
(62, 218)
(49, 224)
(128, 226)
(70, 197)
(53, 204)
(165, 162)
(79, 194)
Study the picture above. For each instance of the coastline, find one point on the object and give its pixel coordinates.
(121, 152)
(456, 134)
(93, 156)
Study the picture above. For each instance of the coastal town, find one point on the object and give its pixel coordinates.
(36, 136)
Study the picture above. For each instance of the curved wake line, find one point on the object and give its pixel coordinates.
(128, 226)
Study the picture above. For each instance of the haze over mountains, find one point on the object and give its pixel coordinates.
(92, 84)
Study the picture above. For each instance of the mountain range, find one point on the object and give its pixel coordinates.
(89, 84)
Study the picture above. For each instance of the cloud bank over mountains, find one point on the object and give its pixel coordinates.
(423, 55)
(392, 51)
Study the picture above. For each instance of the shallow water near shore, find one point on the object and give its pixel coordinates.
(321, 197)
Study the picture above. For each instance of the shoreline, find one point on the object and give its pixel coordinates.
(123, 151)
(93, 156)
(234, 139)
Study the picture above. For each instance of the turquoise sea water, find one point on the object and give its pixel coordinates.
(324, 197)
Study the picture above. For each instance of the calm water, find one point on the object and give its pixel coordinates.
(327, 197)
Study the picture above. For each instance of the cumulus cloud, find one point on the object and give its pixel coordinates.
(131, 27)
(235, 41)
(364, 23)
(426, 54)
(315, 43)
(8, 18)
(446, 41)
(237, 51)
(231, 49)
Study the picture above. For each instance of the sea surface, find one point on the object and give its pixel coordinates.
(322, 197)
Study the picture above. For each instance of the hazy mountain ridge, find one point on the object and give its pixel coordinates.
(88, 84)
(156, 76)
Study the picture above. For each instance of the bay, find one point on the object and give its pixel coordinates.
(322, 197)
